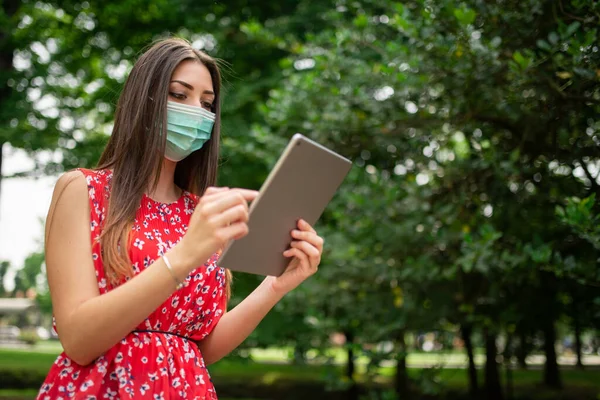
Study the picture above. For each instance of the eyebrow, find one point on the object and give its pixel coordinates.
(187, 85)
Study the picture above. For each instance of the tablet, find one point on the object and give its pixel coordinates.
(300, 185)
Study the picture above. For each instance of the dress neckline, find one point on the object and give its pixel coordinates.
(184, 194)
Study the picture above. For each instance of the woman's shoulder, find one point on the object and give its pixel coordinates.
(70, 191)
(73, 180)
(83, 181)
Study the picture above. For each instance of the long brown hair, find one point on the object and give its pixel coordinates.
(136, 147)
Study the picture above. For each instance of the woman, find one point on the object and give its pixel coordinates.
(140, 305)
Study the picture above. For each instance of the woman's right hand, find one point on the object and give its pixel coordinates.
(221, 215)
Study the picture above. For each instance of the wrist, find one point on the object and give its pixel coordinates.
(181, 262)
(273, 289)
(178, 282)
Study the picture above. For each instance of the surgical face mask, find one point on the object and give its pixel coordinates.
(188, 128)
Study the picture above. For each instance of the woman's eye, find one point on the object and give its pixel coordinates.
(178, 96)
(207, 105)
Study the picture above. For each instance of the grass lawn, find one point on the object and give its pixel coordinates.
(19, 359)
(6, 394)
(448, 358)
(525, 382)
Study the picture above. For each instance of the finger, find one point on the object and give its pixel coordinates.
(211, 190)
(305, 226)
(233, 232)
(248, 194)
(309, 237)
(232, 215)
(218, 203)
(311, 252)
(293, 252)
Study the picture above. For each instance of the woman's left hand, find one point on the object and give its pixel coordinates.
(306, 248)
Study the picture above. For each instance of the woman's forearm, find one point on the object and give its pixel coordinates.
(102, 321)
(236, 325)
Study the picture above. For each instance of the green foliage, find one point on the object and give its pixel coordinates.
(473, 121)
(29, 336)
(4, 267)
(579, 215)
(27, 276)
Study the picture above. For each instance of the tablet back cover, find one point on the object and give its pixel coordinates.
(302, 183)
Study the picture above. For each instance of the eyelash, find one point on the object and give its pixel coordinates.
(180, 96)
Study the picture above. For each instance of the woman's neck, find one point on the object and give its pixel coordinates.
(166, 191)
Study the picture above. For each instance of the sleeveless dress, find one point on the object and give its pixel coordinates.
(147, 364)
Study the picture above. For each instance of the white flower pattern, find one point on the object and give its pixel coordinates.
(148, 365)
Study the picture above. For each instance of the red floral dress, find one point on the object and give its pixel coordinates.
(148, 365)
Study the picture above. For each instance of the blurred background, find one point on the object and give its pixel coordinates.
(462, 251)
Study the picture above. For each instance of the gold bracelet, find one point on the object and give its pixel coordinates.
(178, 283)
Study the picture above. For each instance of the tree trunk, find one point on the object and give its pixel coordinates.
(401, 379)
(508, 353)
(577, 328)
(493, 389)
(350, 367)
(522, 350)
(466, 332)
(299, 355)
(551, 372)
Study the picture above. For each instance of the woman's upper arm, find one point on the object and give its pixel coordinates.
(69, 265)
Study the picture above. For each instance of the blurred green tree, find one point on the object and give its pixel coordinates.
(482, 113)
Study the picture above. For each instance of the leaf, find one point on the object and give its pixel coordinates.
(466, 308)
(553, 37)
(585, 73)
(521, 60)
(400, 77)
(465, 16)
(564, 74)
(542, 44)
(398, 301)
(361, 21)
(588, 202)
(518, 57)
(571, 29)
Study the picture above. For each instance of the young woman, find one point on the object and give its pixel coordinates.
(131, 247)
